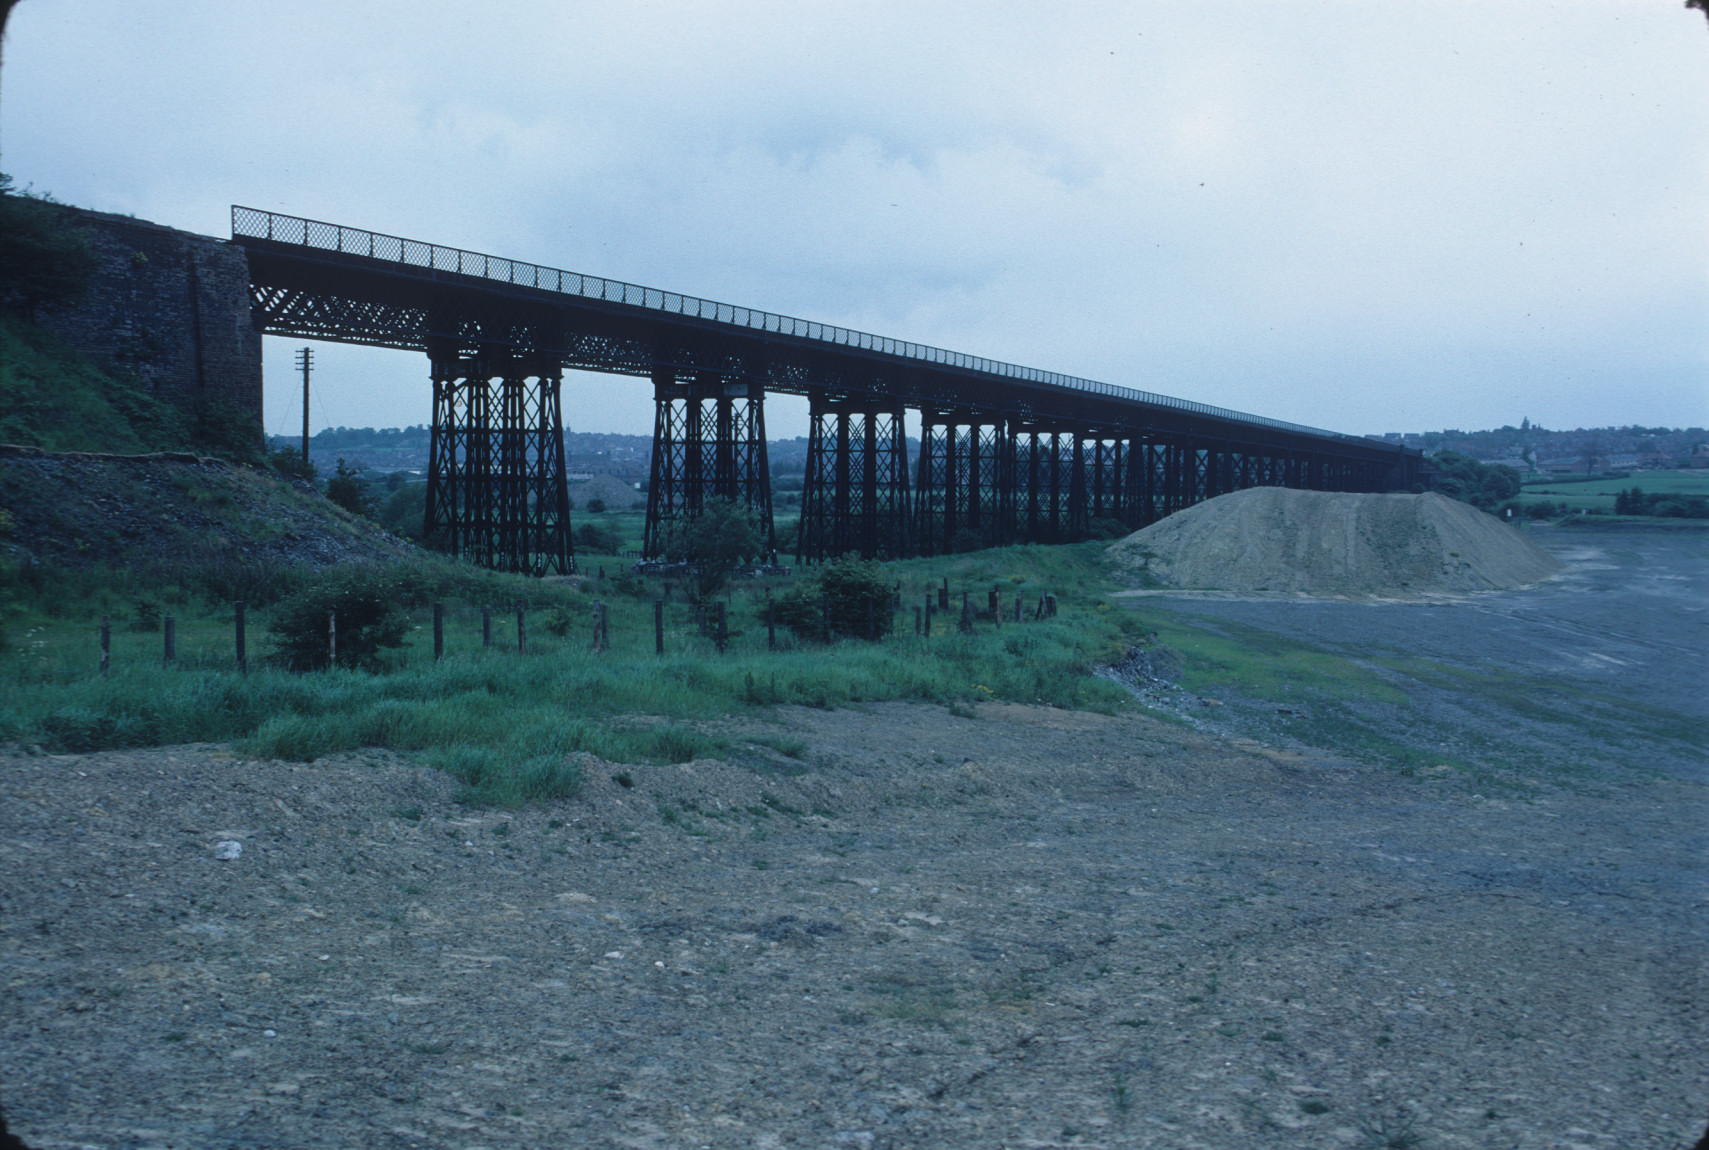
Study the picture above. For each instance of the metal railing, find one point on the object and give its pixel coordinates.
(255, 223)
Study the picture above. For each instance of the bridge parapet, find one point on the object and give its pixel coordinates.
(255, 223)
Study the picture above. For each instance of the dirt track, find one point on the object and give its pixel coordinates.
(1031, 929)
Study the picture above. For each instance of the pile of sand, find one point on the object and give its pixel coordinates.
(1329, 543)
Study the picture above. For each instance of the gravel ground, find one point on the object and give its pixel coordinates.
(884, 927)
(1597, 672)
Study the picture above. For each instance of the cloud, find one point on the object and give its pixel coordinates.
(1363, 216)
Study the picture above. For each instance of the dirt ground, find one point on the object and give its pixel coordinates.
(886, 927)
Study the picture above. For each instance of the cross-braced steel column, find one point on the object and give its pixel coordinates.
(965, 497)
(691, 466)
(855, 494)
(1039, 485)
(1107, 490)
(496, 491)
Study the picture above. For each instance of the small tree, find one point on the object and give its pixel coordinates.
(843, 588)
(717, 541)
(597, 540)
(349, 490)
(289, 461)
(364, 601)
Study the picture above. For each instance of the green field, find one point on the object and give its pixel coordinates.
(1598, 494)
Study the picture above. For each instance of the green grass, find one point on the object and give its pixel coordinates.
(1263, 665)
(1598, 494)
(509, 725)
(1672, 482)
(52, 397)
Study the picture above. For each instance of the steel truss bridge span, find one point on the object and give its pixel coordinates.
(1007, 453)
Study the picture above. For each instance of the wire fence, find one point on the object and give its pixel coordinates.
(236, 638)
(256, 223)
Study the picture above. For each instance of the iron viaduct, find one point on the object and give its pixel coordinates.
(1005, 454)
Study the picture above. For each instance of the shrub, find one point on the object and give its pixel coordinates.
(848, 584)
(597, 538)
(404, 512)
(289, 462)
(717, 541)
(1483, 485)
(145, 615)
(366, 602)
(1639, 502)
(349, 490)
(560, 621)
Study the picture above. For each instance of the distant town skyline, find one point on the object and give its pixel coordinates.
(1363, 217)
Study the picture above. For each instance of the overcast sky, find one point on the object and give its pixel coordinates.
(1374, 216)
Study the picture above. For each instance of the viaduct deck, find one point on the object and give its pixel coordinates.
(1006, 453)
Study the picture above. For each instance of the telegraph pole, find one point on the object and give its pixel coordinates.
(305, 359)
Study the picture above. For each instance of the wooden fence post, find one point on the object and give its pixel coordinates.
(332, 640)
(658, 626)
(928, 631)
(106, 644)
(438, 631)
(521, 632)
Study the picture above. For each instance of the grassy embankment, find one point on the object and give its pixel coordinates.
(52, 397)
(504, 722)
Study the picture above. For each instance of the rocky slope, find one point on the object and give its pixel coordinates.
(81, 509)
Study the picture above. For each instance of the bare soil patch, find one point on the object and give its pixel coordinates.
(1275, 539)
(883, 927)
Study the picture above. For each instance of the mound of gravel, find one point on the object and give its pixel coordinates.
(1277, 539)
(618, 495)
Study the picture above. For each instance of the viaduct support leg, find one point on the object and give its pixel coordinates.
(708, 442)
(856, 493)
(496, 489)
(1077, 489)
(966, 493)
